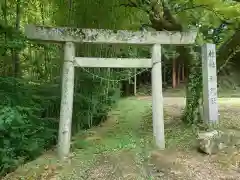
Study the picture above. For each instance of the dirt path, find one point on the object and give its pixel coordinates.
(122, 148)
(229, 102)
(176, 164)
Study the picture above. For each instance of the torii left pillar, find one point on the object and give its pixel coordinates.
(65, 124)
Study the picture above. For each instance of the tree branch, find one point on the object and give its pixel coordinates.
(219, 15)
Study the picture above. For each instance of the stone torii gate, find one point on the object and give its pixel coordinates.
(69, 36)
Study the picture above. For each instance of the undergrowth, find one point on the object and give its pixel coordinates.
(177, 134)
(123, 144)
(29, 115)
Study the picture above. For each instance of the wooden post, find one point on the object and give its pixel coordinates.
(209, 73)
(135, 82)
(157, 97)
(65, 124)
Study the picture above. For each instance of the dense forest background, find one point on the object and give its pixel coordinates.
(30, 72)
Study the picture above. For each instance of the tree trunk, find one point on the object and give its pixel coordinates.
(194, 84)
(179, 73)
(16, 58)
(161, 18)
(192, 115)
(183, 72)
(174, 81)
(5, 66)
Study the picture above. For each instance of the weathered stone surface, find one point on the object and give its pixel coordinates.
(64, 34)
(214, 141)
(235, 137)
(207, 141)
(209, 72)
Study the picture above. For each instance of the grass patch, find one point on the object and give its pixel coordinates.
(177, 135)
(180, 136)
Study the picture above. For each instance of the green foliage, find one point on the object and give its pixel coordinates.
(192, 115)
(24, 133)
(93, 98)
(29, 107)
(29, 115)
(15, 39)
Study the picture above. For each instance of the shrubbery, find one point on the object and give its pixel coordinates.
(29, 115)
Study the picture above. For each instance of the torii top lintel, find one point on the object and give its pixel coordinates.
(103, 36)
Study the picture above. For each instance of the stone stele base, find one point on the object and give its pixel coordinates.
(214, 141)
